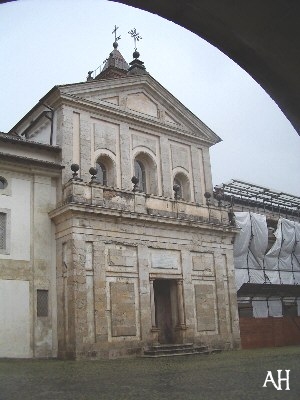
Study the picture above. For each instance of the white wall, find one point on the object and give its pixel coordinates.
(14, 319)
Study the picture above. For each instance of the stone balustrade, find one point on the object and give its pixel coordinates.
(96, 195)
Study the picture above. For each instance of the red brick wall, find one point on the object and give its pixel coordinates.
(269, 332)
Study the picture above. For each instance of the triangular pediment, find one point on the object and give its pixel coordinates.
(143, 97)
(142, 103)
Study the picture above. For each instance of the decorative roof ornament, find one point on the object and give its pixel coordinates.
(136, 66)
(117, 38)
(136, 37)
(115, 65)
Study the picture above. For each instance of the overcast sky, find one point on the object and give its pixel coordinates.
(48, 42)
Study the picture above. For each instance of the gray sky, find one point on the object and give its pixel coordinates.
(44, 43)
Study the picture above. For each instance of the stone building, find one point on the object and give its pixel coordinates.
(127, 254)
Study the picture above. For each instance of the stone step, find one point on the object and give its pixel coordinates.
(176, 354)
(172, 346)
(176, 350)
(169, 350)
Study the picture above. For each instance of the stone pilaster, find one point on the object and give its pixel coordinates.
(196, 175)
(85, 146)
(125, 156)
(101, 328)
(146, 320)
(207, 170)
(167, 181)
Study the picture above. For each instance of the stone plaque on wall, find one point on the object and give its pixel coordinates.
(142, 103)
(122, 256)
(203, 262)
(205, 307)
(165, 259)
(122, 297)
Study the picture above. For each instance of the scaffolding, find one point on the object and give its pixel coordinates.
(267, 274)
(248, 195)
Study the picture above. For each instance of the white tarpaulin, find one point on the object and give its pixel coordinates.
(242, 239)
(281, 265)
(283, 254)
(249, 247)
(259, 241)
(260, 308)
(275, 307)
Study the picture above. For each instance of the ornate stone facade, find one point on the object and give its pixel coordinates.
(144, 264)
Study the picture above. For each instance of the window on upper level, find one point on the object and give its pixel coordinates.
(182, 181)
(145, 170)
(105, 170)
(101, 173)
(5, 223)
(139, 172)
(3, 231)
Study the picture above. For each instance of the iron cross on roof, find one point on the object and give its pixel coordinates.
(115, 32)
(136, 36)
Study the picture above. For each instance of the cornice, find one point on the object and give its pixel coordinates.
(156, 89)
(74, 209)
(138, 118)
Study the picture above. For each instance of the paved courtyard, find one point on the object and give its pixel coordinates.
(229, 375)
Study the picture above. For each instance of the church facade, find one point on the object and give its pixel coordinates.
(130, 249)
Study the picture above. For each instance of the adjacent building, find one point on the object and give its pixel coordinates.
(267, 263)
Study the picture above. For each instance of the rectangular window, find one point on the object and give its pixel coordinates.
(42, 303)
(3, 229)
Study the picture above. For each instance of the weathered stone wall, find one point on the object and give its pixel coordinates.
(85, 136)
(108, 307)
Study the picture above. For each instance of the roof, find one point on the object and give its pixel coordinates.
(29, 160)
(14, 138)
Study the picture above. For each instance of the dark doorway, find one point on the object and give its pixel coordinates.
(165, 298)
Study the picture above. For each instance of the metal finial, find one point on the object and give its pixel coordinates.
(115, 44)
(136, 36)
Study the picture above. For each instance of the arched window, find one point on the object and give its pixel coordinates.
(178, 184)
(101, 173)
(145, 169)
(184, 192)
(139, 172)
(105, 167)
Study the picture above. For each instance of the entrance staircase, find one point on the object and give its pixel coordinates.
(171, 350)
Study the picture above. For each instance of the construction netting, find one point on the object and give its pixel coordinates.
(254, 264)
